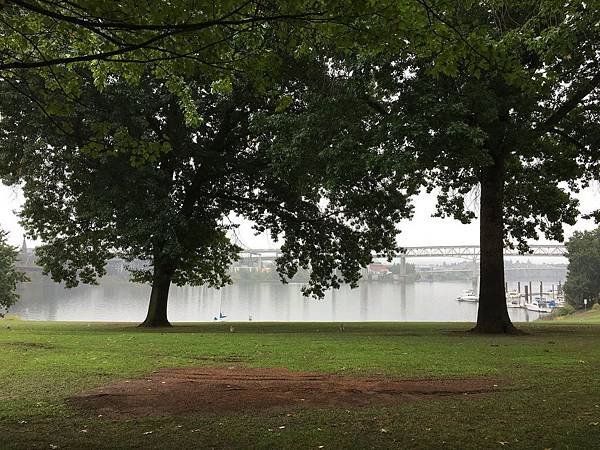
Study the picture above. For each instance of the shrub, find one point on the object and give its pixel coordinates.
(563, 311)
(596, 307)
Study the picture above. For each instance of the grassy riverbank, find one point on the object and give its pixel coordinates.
(549, 395)
(591, 316)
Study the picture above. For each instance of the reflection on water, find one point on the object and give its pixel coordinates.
(120, 301)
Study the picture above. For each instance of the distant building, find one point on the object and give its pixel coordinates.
(378, 268)
(26, 259)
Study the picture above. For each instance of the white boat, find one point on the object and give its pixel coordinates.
(538, 307)
(540, 304)
(468, 296)
(513, 300)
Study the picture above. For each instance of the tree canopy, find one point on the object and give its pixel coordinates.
(121, 172)
(39, 33)
(173, 41)
(583, 282)
(508, 107)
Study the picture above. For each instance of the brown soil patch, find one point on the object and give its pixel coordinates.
(235, 389)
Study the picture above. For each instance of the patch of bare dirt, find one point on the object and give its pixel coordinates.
(207, 390)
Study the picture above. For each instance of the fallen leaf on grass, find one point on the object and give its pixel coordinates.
(148, 432)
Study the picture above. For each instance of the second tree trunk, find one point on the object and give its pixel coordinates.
(492, 315)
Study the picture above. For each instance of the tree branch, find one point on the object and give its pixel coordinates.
(181, 27)
(585, 88)
(568, 138)
(168, 30)
(429, 10)
(375, 105)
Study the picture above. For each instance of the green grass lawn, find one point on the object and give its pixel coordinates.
(553, 374)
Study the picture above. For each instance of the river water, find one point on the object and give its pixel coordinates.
(121, 301)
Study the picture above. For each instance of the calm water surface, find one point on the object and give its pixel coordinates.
(120, 301)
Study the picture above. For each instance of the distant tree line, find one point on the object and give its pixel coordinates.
(9, 276)
(583, 280)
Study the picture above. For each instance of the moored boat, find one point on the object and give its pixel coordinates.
(541, 304)
(513, 300)
(468, 296)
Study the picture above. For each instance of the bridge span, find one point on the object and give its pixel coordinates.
(27, 259)
(471, 251)
(437, 251)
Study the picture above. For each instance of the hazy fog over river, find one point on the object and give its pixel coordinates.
(121, 301)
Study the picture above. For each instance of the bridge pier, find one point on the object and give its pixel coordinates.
(475, 282)
(402, 267)
(475, 276)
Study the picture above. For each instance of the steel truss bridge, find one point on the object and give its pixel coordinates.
(472, 251)
(440, 251)
(27, 261)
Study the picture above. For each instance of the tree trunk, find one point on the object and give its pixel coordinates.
(157, 310)
(492, 315)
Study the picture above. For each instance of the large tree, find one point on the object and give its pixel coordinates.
(143, 149)
(122, 172)
(516, 116)
(498, 100)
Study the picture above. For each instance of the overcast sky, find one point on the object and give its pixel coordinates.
(422, 230)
